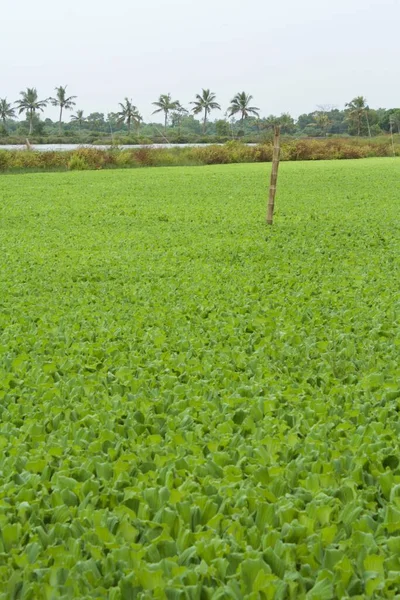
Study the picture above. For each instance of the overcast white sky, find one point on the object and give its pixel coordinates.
(291, 55)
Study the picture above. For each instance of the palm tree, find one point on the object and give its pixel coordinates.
(30, 104)
(129, 114)
(165, 104)
(205, 101)
(270, 122)
(63, 102)
(357, 107)
(286, 123)
(78, 118)
(322, 120)
(240, 104)
(6, 112)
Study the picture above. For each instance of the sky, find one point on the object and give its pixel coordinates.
(291, 55)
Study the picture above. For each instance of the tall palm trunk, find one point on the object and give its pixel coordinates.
(31, 122)
(205, 120)
(165, 121)
(60, 120)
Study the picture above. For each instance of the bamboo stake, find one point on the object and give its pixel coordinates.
(274, 175)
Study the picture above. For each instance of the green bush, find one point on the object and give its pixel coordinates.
(77, 163)
(5, 159)
(124, 158)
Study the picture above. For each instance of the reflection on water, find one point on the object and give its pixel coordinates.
(65, 147)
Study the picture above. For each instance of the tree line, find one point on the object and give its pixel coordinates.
(241, 118)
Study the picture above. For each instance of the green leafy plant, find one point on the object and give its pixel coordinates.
(192, 406)
(77, 163)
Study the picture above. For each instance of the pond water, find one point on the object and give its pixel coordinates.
(65, 147)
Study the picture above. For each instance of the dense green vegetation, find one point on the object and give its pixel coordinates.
(85, 158)
(241, 120)
(193, 405)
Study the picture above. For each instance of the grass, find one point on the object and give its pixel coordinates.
(193, 405)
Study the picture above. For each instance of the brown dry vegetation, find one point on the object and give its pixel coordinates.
(232, 152)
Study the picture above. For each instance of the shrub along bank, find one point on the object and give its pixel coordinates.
(232, 152)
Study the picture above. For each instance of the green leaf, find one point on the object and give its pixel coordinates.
(322, 590)
(10, 534)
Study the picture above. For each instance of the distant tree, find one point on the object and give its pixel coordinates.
(177, 116)
(63, 101)
(356, 109)
(165, 104)
(304, 120)
(286, 123)
(310, 130)
(396, 119)
(240, 105)
(270, 122)
(96, 121)
(322, 120)
(30, 104)
(112, 121)
(222, 128)
(339, 124)
(6, 112)
(78, 118)
(138, 121)
(191, 124)
(129, 114)
(389, 120)
(372, 120)
(205, 102)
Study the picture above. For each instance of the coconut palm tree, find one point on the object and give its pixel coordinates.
(286, 123)
(357, 108)
(78, 118)
(165, 104)
(322, 120)
(6, 111)
(129, 114)
(30, 104)
(270, 122)
(205, 102)
(240, 105)
(64, 102)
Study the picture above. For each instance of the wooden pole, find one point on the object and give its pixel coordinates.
(274, 175)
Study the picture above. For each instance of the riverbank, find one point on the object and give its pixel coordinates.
(86, 158)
